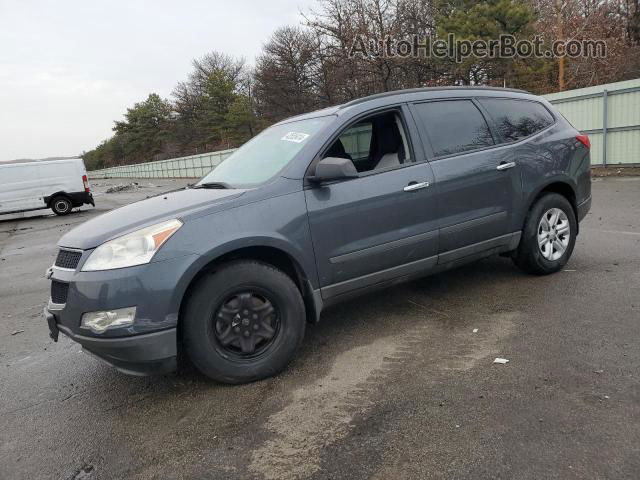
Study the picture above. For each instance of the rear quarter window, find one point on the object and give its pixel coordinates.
(516, 119)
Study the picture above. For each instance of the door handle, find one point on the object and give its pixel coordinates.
(415, 186)
(506, 165)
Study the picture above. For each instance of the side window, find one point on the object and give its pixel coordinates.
(374, 143)
(454, 126)
(517, 119)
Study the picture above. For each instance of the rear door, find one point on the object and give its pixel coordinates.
(477, 183)
(376, 227)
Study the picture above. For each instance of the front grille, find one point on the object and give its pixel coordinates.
(59, 292)
(68, 259)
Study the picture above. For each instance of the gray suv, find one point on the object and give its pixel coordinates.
(316, 209)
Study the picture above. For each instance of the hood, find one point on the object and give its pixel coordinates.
(178, 204)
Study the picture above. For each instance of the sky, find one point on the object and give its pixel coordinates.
(70, 68)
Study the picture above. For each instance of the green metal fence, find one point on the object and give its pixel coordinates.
(610, 115)
(193, 166)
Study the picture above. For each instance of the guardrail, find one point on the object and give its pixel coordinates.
(193, 166)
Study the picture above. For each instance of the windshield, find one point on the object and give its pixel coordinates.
(265, 155)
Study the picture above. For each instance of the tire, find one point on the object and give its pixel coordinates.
(232, 303)
(547, 256)
(61, 205)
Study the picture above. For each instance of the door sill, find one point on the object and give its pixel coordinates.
(419, 268)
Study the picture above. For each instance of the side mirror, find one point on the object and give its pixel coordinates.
(334, 168)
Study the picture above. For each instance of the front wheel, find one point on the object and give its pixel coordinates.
(548, 237)
(244, 322)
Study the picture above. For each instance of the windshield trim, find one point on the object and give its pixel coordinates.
(302, 117)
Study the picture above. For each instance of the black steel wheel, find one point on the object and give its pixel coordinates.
(243, 322)
(246, 324)
(61, 205)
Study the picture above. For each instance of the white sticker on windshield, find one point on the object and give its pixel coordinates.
(296, 137)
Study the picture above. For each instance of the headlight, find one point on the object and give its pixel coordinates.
(135, 248)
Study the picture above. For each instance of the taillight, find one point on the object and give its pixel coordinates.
(85, 181)
(584, 139)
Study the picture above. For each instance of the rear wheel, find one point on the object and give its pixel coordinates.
(548, 237)
(61, 205)
(244, 322)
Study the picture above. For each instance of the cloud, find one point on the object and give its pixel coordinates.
(71, 68)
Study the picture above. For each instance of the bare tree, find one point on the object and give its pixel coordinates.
(589, 20)
(288, 77)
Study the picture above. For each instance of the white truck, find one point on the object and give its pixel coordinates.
(33, 185)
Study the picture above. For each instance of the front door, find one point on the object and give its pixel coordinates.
(381, 225)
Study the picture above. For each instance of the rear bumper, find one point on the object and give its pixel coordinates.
(82, 198)
(584, 208)
(147, 354)
(77, 198)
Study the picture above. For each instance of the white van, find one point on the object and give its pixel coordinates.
(33, 185)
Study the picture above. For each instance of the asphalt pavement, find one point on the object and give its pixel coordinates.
(398, 384)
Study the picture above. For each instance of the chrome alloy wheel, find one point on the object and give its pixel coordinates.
(554, 233)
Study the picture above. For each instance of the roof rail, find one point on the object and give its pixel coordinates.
(425, 89)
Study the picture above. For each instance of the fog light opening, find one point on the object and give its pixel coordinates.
(99, 322)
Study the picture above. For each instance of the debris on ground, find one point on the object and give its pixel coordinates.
(84, 472)
(615, 171)
(122, 187)
(501, 360)
(17, 332)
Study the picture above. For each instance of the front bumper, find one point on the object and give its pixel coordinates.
(156, 289)
(151, 353)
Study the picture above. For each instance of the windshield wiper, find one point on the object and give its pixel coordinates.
(220, 185)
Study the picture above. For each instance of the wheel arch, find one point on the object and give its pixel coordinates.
(48, 200)
(275, 255)
(562, 187)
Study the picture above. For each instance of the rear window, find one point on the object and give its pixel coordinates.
(517, 119)
(454, 126)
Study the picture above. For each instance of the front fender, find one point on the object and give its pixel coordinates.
(279, 222)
